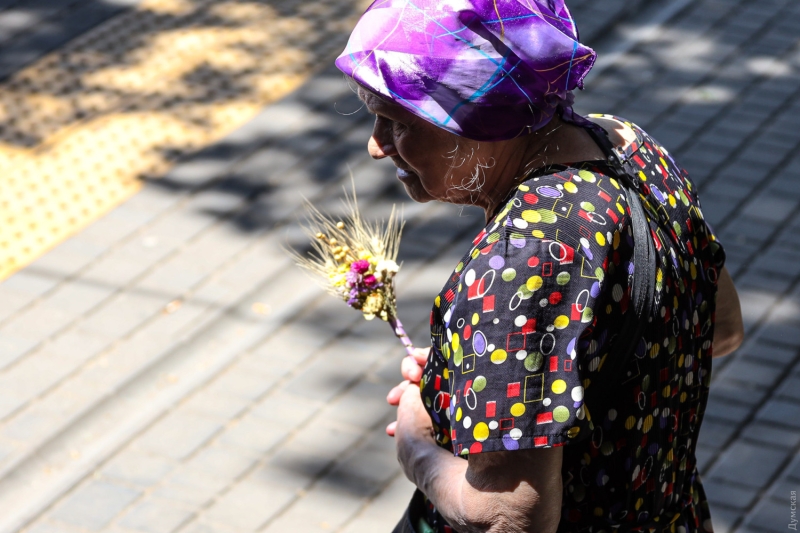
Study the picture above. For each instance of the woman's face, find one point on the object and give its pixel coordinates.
(422, 153)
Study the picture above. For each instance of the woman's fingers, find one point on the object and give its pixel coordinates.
(421, 355)
(390, 428)
(396, 393)
(411, 366)
(410, 369)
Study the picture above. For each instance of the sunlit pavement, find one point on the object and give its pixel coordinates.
(164, 368)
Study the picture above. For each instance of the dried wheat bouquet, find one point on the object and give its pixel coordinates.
(356, 261)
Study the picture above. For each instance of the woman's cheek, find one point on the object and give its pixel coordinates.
(417, 191)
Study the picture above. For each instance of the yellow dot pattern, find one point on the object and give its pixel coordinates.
(82, 127)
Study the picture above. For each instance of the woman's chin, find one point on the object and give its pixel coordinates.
(413, 186)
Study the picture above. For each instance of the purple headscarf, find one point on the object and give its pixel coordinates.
(482, 69)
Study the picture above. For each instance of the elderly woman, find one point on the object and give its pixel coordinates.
(538, 408)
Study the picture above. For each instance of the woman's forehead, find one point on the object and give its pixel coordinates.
(377, 103)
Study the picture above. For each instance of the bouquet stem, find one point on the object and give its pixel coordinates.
(401, 334)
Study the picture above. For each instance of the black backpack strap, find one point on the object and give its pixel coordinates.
(643, 287)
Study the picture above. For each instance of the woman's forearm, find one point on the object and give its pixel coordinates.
(469, 501)
(729, 329)
(438, 474)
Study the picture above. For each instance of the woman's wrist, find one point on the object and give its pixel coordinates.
(437, 473)
(415, 450)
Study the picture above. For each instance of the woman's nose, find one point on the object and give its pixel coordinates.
(377, 150)
(379, 146)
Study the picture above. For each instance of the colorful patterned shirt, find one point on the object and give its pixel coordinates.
(529, 317)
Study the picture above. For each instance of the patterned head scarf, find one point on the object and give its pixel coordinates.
(487, 70)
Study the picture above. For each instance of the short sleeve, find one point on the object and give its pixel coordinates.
(513, 334)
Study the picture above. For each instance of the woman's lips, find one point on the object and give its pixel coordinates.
(404, 175)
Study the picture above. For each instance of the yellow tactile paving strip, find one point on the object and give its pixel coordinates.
(82, 127)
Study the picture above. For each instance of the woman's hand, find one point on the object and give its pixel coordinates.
(412, 430)
(412, 365)
(411, 369)
(412, 418)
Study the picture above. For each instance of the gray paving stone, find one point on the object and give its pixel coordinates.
(94, 505)
(309, 453)
(781, 489)
(117, 269)
(789, 388)
(30, 378)
(156, 516)
(726, 386)
(138, 469)
(724, 519)
(191, 487)
(221, 406)
(375, 461)
(207, 527)
(731, 190)
(67, 258)
(716, 208)
(250, 504)
(703, 155)
(784, 310)
(50, 527)
(783, 334)
(124, 313)
(776, 262)
(115, 226)
(30, 283)
(715, 433)
(771, 435)
(195, 262)
(13, 347)
(748, 464)
(672, 136)
(197, 171)
(173, 277)
(747, 230)
(221, 461)
(753, 374)
(153, 200)
(324, 378)
(768, 515)
(723, 409)
(253, 435)
(322, 508)
(724, 493)
(793, 470)
(37, 322)
(273, 473)
(761, 349)
(11, 302)
(781, 412)
(385, 510)
(29, 427)
(78, 297)
(241, 384)
(361, 406)
(178, 435)
(285, 407)
(787, 310)
(769, 208)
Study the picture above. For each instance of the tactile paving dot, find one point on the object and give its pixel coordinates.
(82, 126)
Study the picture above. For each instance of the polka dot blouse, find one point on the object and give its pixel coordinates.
(527, 322)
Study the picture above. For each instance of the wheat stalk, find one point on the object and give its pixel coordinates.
(355, 261)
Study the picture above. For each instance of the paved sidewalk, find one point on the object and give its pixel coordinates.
(167, 370)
